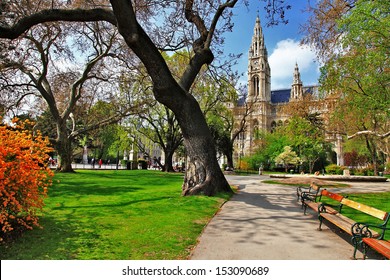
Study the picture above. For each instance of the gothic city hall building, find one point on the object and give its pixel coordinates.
(262, 107)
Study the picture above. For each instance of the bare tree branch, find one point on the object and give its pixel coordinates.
(369, 132)
(13, 32)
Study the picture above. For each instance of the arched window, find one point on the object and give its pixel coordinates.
(256, 130)
(256, 85)
(273, 126)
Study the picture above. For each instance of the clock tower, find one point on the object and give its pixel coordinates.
(259, 73)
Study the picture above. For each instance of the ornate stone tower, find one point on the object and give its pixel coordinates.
(296, 87)
(259, 73)
(259, 90)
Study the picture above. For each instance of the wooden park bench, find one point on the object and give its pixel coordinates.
(379, 245)
(357, 230)
(365, 237)
(308, 195)
(312, 198)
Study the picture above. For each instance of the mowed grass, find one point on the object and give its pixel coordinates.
(126, 214)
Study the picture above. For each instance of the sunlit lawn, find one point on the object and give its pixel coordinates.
(126, 214)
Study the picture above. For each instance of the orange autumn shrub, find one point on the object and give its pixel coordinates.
(24, 176)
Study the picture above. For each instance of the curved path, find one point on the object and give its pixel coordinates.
(266, 222)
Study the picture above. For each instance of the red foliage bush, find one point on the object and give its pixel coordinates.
(24, 176)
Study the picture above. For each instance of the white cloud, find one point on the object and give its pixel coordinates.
(282, 62)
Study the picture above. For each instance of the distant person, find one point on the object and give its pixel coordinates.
(100, 163)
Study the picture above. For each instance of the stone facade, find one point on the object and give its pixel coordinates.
(263, 106)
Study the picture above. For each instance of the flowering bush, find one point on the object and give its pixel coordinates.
(24, 176)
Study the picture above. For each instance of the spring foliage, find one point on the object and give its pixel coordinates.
(24, 176)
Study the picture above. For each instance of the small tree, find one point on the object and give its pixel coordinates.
(24, 176)
(288, 156)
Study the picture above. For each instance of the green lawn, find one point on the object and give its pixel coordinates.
(126, 214)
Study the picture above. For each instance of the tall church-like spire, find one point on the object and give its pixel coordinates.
(257, 47)
(297, 75)
(259, 73)
(296, 87)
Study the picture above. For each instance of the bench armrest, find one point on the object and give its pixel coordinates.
(309, 193)
(323, 208)
(361, 230)
(302, 189)
(309, 196)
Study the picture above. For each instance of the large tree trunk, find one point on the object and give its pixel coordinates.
(203, 174)
(229, 159)
(228, 151)
(168, 163)
(371, 146)
(64, 150)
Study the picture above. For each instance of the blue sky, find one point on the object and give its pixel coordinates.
(282, 42)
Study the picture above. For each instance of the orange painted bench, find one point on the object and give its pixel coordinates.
(371, 233)
(379, 245)
(365, 237)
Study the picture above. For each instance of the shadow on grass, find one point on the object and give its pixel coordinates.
(56, 236)
(67, 189)
(111, 205)
(83, 208)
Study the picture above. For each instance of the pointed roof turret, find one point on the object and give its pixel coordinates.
(297, 75)
(257, 46)
(296, 89)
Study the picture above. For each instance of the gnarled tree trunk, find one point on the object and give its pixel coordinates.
(64, 149)
(203, 174)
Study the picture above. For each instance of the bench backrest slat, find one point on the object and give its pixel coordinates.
(331, 195)
(366, 209)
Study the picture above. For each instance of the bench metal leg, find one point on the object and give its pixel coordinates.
(320, 218)
(355, 242)
(364, 247)
(304, 208)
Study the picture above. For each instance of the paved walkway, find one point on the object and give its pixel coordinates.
(265, 222)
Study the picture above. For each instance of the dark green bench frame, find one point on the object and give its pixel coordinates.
(363, 234)
(365, 237)
(308, 194)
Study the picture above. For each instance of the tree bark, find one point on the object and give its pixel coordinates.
(64, 149)
(168, 164)
(229, 159)
(203, 174)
